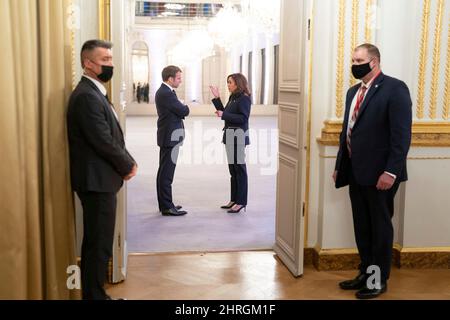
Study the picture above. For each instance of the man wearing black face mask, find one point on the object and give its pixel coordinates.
(99, 164)
(374, 144)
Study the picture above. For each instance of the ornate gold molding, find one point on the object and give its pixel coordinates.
(330, 133)
(446, 109)
(309, 125)
(348, 259)
(369, 13)
(71, 18)
(355, 27)
(104, 33)
(340, 61)
(104, 30)
(424, 134)
(431, 134)
(436, 61)
(104, 19)
(423, 59)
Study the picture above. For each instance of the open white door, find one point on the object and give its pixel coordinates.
(289, 243)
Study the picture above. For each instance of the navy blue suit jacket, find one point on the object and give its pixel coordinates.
(236, 114)
(171, 113)
(381, 136)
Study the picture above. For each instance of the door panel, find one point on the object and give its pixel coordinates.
(289, 244)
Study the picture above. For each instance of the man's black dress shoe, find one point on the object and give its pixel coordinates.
(355, 284)
(366, 293)
(173, 212)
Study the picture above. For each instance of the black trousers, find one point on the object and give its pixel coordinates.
(372, 218)
(168, 157)
(99, 218)
(238, 172)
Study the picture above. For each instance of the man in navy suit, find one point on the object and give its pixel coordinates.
(373, 148)
(171, 113)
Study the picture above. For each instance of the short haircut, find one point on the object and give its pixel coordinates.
(170, 72)
(371, 49)
(91, 45)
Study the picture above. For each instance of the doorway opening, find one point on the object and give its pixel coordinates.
(187, 35)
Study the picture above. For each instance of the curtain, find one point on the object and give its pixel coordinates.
(37, 238)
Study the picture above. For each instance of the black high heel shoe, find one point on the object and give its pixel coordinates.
(228, 206)
(239, 210)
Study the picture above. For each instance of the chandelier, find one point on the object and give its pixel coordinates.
(195, 46)
(263, 16)
(231, 26)
(228, 28)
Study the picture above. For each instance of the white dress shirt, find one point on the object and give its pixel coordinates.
(102, 89)
(171, 89)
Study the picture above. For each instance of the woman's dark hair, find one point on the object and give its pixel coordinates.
(241, 83)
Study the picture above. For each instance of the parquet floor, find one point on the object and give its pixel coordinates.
(257, 275)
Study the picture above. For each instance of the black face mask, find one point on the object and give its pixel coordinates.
(362, 70)
(107, 73)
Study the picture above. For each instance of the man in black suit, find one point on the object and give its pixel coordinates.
(99, 163)
(171, 113)
(373, 149)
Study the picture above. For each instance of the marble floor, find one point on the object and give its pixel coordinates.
(201, 185)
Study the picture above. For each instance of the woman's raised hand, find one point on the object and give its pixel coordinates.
(215, 91)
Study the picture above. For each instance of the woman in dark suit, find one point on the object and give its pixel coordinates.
(235, 137)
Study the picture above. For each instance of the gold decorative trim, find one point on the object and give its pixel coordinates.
(104, 21)
(340, 61)
(368, 31)
(309, 126)
(436, 61)
(446, 109)
(355, 27)
(424, 134)
(431, 134)
(72, 43)
(409, 258)
(409, 158)
(327, 157)
(104, 33)
(423, 59)
(330, 133)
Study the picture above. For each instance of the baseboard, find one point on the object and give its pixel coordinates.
(407, 258)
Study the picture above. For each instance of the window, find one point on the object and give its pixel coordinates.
(250, 68)
(263, 75)
(240, 63)
(276, 63)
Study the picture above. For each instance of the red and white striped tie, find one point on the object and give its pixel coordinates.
(359, 101)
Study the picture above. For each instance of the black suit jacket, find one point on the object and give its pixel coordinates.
(98, 158)
(236, 114)
(171, 113)
(381, 136)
